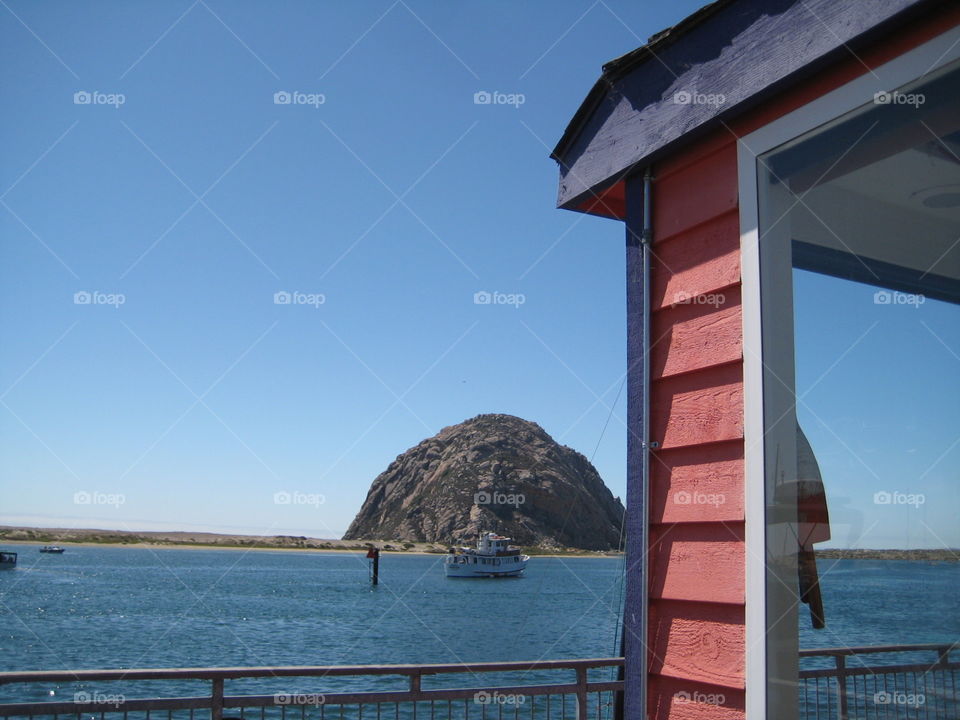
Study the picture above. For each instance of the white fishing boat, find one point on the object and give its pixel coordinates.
(493, 557)
(8, 560)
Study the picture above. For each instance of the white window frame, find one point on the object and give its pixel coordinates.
(906, 68)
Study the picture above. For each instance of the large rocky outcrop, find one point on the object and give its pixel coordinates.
(495, 473)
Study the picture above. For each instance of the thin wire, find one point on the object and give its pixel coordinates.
(623, 566)
(609, 415)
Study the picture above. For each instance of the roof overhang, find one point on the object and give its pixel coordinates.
(731, 55)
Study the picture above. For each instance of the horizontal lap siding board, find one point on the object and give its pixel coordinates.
(698, 407)
(694, 263)
(698, 643)
(697, 552)
(706, 324)
(697, 484)
(697, 562)
(667, 700)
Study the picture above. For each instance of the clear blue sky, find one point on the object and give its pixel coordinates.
(295, 398)
(198, 198)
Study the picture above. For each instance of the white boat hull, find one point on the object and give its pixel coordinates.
(478, 566)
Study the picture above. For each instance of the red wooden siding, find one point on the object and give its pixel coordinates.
(667, 699)
(696, 645)
(707, 257)
(697, 555)
(701, 406)
(697, 561)
(702, 484)
(697, 551)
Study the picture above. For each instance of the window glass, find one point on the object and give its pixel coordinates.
(860, 286)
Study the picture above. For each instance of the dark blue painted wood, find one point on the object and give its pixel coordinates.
(744, 51)
(633, 609)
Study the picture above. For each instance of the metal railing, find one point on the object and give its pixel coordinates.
(920, 682)
(98, 693)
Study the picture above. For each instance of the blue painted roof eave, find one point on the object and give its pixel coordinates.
(742, 51)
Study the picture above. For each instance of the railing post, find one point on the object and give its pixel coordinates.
(415, 684)
(216, 699)
(842, 685)
(582, 692)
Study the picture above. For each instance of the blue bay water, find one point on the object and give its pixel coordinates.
(885, 602)
(107, 607)
(103, 607)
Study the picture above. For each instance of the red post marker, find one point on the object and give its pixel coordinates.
(374, 554)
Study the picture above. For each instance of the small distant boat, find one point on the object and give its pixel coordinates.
(493, 557)
(55, 549)
(8, 560)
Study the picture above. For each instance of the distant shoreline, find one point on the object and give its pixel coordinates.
(912, 555)
(10, 535)
(215, 541)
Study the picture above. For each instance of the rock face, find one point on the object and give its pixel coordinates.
(496, 473)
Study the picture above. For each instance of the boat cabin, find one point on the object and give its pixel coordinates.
(493, 544)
